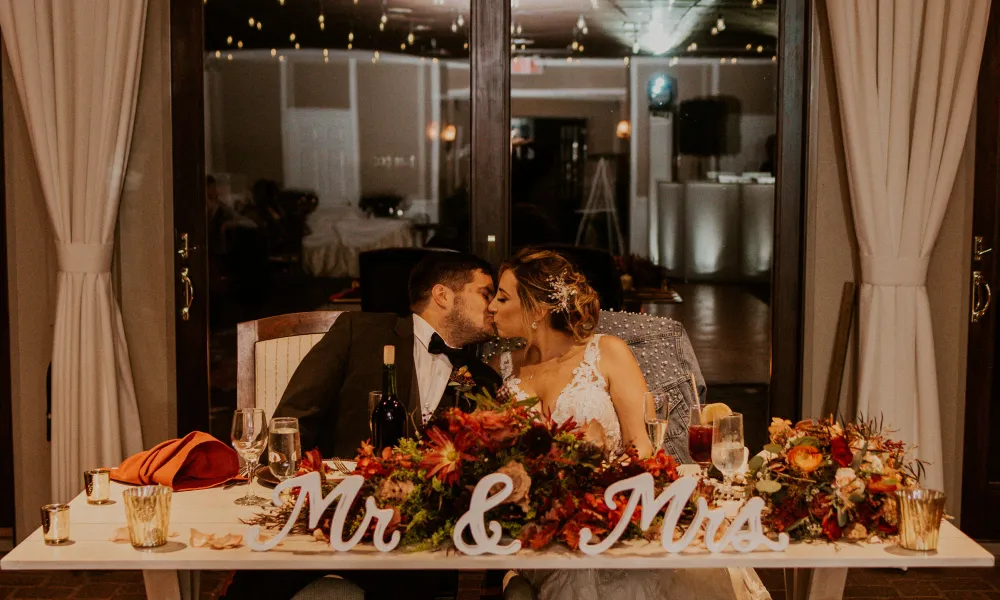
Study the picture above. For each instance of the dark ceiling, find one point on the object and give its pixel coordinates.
(541, 27)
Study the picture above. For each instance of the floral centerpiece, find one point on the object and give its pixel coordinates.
(559, 478)
(825, 480)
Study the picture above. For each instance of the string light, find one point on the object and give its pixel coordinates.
(760, 49)
(461, 21)
(296, 45)
(350, 36)
(581, 47)
(454, 27)
(291, 38)
(410, 38)
(258, 25)
(692, 46)
(513, 47)
(524, 46)
(402, 46)
(466, 46)
(581, 23)
(722, 61)
(350, 46)
(732, 61)
(774, 59)
(322, 22)
(281, 58)
(574, 45)
(584, 31)
(229, 57)
(381, 26)
(251, 22)
(218, 54)
(627, 61)
(229, 40)
(239, 44)
(281, 2)
(384, 18)
(635, 48)
(326, 52)
(274, 52)
(720, 23)
(715, 31)
(749, 46)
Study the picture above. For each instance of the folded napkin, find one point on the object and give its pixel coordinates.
(194, 462)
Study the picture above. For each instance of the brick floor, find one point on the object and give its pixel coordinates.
(868, 584)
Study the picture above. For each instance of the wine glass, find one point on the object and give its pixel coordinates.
(249, 437)
(656, 427)
(728, 447)
(699, 438)
(284, 449)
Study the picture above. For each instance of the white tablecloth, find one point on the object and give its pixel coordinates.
(339, 234)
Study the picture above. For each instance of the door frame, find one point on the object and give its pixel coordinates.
(979, 496)
(7, 519)
(490, 190)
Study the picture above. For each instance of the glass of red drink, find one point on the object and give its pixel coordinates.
(699, 439)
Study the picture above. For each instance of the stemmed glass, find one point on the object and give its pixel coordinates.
(249, 437)
(656, 428)
(727, 447)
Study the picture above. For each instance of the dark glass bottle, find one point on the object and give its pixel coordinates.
(389, 416)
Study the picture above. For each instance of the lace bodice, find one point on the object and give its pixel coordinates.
(585, 398)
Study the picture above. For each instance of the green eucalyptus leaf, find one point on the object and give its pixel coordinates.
(755, 464)
(807, 441)
(773, 448)
(767, 486)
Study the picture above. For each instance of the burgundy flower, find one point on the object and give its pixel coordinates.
(841, 451)
(831, 529)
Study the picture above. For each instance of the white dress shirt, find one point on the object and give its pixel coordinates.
(433, 370)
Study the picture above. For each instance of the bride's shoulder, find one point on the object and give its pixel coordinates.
(614, 352)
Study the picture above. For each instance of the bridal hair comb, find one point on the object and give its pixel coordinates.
(562, 292)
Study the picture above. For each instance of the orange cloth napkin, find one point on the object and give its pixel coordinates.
(195, 462)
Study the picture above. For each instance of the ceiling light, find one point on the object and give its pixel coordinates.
(410, 38)
(720, 23)
(229, 56)
(251, 22)
(326, 52)
(461, 21)
(258, 25)
(581, 23)
(760, 49)
(229, 40)
(218, 54)
(274, 52)
(749, 46)
(402, 46)
(350, 46)
(512, 29)
(296, 45)
(239, 44)
(291, 38)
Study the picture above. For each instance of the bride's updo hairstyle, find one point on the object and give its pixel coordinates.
(547, 281)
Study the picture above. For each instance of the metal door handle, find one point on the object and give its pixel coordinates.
(188, 294)
(979, 304)
(977, 248)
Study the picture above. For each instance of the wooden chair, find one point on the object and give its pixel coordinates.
(268, 352)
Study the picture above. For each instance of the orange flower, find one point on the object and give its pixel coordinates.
(805, 459)
(445, 456)
(882, 485)
(660, 464)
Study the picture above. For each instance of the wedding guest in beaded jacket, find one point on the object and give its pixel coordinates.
(595, 380)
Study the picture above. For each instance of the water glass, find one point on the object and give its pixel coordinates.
(55, 524)
(284, 448)
(727, 446)
(656, 427)
(373, 399)
(699, 438)
(920, 514)
(97, 483)
(249, 437)
(147, 514)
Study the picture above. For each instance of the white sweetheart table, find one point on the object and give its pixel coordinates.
(813, 571)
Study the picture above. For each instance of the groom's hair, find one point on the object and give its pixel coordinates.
(452, 269)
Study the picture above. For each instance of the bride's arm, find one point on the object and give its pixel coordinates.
(628, 388)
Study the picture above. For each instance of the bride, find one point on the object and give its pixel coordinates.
(595, 380)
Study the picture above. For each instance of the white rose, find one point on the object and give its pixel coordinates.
(874, 463)
(847, 483)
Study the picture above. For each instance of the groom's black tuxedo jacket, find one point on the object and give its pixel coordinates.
(328, 392)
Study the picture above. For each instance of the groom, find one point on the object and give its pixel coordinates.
(449, 293)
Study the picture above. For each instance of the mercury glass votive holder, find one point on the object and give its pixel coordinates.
(920, 515)
(147, 513)
(97, 483)
(55, 524)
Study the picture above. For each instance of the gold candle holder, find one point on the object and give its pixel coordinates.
(147, 513)
(920, 515)
(97, 483)
(55, 524)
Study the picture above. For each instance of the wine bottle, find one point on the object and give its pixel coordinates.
(389, 416)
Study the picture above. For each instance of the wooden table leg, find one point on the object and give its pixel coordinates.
(815, 584)
(172, 585)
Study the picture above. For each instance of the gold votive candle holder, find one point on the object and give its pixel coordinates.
(55, 524)
(920, 515)
(97, 483)
(147, 513)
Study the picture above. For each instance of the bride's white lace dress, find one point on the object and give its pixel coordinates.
(587, 398)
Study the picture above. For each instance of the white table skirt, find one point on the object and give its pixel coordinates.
(213, 511)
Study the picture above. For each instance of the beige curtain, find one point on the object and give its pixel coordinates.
(76, 68)
(906, 77)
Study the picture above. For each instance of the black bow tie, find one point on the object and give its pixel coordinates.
(457, 356)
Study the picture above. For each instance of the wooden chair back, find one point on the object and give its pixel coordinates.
(268, 352)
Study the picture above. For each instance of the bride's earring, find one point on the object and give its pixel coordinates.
(534, 324)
